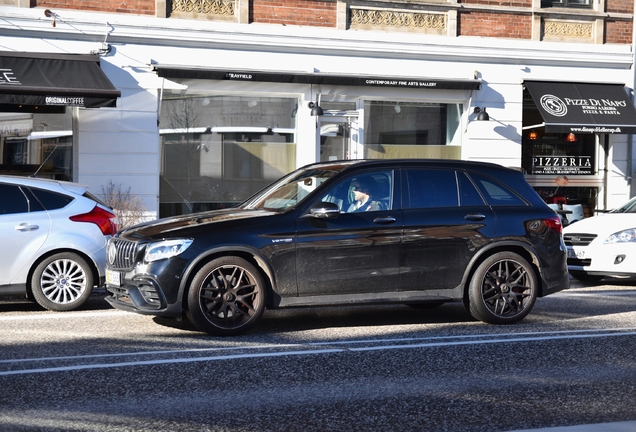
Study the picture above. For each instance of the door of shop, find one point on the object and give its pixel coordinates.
(339, 137)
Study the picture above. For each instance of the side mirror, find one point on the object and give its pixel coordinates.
(324, 210)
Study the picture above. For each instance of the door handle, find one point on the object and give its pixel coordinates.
(26, 227)
(386, 220)
(475, 217)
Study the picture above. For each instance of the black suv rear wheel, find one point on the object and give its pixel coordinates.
(503, 289)
(227, 296)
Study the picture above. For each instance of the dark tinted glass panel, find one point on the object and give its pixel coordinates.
(51, 200)
(495, 193)
(468, 195)
(12, 200)
(431, 188)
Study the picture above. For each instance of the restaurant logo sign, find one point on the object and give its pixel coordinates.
(568, 165)
(558, 107)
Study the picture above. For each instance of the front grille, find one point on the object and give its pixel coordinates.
(575, 239)
(121, 254)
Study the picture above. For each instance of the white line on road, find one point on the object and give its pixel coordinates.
(313, 351)
(65, 315)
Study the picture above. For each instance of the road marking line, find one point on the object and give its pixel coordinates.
(66, 315)
(309, 352)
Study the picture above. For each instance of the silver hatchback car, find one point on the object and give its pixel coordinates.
(54, 237)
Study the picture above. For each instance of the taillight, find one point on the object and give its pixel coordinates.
(554, 223)
(105, 220)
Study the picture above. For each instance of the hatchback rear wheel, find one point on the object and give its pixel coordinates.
(503, 289)
(227, 297)
(62, 282)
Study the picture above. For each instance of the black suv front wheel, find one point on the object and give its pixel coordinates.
(227, 296)
(503, 289)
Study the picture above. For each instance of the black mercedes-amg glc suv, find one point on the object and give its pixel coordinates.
(420, 232)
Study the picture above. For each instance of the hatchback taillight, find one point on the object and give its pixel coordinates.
(554, 223)
(105, 220)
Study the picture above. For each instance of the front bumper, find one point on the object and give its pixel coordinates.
(141, 291)
(603, 260)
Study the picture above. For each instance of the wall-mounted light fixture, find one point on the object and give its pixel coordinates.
(49, 14)
(482, 115)
(570, 138)
(532, 135)
(397, 108)
(315, 109)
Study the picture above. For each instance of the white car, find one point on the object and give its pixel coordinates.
(604, 245)
(53, 238)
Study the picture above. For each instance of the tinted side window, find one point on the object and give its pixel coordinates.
(51, 200)
(431, 188)
(468, 195)
(12, 200)
(495, 193)
(376, 188)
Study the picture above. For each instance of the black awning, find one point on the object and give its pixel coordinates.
(583, 108)
(184, 72)
(54, 80)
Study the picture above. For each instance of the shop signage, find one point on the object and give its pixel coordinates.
(583, 107)
(570, 165)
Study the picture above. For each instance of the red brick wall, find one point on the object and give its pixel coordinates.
(137, 7)
(494, 25)
(503, 3)
(618, 32)
(620, 6)
(294, 12)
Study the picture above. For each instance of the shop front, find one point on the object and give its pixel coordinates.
(38, 93)
(227, 134)
(569, 131)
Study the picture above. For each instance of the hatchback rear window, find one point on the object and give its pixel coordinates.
(51, 200)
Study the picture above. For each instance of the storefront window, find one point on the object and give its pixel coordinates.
(219, 150)
(37, 143)
(412, 130)
(562, 159)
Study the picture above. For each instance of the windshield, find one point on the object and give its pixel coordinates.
(291, 190)
(628, 207)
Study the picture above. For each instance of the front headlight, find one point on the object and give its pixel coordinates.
(625, 236)
(165, 249)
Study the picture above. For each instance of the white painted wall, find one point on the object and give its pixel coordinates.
(122, 144)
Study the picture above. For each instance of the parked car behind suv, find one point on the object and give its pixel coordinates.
(603, 245)
(420, 232)
(54, 237)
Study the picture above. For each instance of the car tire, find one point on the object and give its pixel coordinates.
(226, 297)
(62, 282)
(503, 289)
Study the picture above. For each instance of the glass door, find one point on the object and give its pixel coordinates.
(339, 138)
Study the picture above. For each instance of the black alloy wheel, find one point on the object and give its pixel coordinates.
(62, 282)
(503, 289)
(227, 297)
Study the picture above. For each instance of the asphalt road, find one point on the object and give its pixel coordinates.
(391, 368)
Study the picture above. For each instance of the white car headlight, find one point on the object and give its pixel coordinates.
(625, 236)
(165, 249)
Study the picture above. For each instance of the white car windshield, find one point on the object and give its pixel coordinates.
(628, 207)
